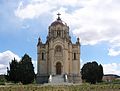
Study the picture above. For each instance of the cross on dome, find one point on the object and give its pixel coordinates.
(58, 16)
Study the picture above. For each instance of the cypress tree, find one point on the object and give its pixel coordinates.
(22, 71)
(27, 70)
(92, 72)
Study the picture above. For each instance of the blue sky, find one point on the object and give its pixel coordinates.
(96, 22)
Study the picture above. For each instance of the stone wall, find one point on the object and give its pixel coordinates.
(74, 79)
(42, 79)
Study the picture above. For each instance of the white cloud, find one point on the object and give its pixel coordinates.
(113, 52)
(93, 21)
(115, 47)
(35, 65)
(112, 68)
(36, 8)
(32, 10)
(5, 58)
(81, 63)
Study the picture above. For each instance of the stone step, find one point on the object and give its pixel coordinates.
(57, 79)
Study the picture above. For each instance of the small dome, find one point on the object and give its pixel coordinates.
(58, 21)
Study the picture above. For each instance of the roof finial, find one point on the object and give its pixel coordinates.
(58, 16)
(39, 41)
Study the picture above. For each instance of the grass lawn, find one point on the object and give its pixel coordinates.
(83, 87)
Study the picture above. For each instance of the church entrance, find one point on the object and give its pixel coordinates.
(58, 68)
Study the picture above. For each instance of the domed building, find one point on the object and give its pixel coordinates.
(58, 60)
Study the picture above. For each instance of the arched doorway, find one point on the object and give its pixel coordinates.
(58, 68)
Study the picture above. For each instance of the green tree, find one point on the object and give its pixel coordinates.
(13, 73)
(27, 70)
(22, 71)
(92, 72)
(100, 73)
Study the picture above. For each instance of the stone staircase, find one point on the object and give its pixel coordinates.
(63, 80)
(57, 80)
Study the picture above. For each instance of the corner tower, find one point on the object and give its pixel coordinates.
(58, 56)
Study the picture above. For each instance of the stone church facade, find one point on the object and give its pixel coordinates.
(58, 57)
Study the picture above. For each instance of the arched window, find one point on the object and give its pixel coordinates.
(58, 49)
(58, 33)
(43, 56)
(74, 56)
